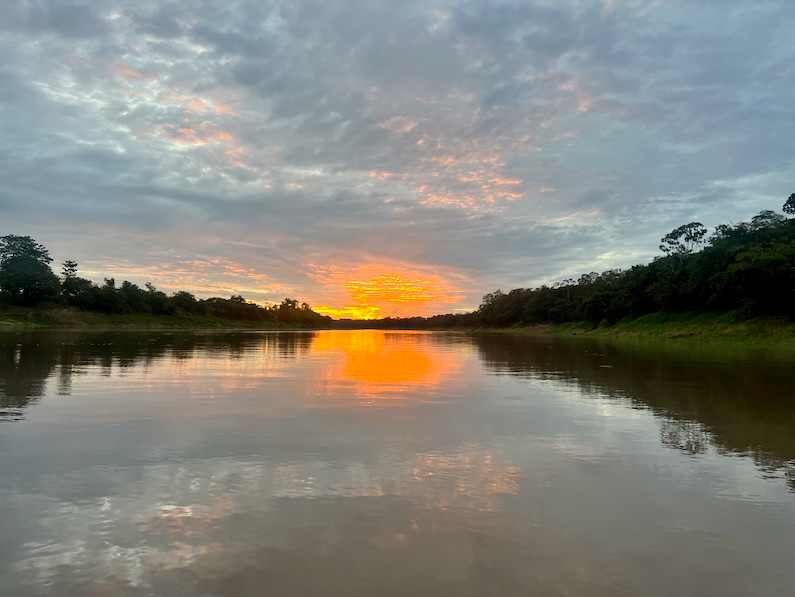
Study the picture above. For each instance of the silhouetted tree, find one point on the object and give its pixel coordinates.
(789, 205)
(765, 219)
(184, 301)
(25, 274)
(70, 282)
(69, 269)
(23, 246)
(684, 239)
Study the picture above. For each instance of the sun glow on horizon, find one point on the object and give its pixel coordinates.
(375, 290)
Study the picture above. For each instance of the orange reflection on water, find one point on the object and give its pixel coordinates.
(375, 362)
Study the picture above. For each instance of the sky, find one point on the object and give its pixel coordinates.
(385, 157)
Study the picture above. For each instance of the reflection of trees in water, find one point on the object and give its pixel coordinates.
(29, 361)
(737, 406)
(24, 370)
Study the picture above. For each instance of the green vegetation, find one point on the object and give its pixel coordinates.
(710, 331)
(738, 282)
(31, 295)
(59, 317)
(696, 326)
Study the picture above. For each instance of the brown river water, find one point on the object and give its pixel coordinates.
(371, 463)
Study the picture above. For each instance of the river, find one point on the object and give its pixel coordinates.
(369, 463)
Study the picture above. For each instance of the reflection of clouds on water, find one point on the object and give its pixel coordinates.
(165, 517)
(471, 478)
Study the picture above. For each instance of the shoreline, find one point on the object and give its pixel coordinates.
(69, 320)
(684, 328)
(679, 329)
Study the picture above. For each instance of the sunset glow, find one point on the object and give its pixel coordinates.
(373, 290)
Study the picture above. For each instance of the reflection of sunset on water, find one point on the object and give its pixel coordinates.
(374, 362)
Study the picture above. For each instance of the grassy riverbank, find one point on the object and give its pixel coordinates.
(19, 318)
(725, 328)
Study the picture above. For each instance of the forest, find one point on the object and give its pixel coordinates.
(747, 268)
(27, 280)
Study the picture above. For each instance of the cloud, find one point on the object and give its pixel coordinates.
(498, 143)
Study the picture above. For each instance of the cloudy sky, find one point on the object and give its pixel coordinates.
(386, 157)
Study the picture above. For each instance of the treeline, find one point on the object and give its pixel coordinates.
(747, 267)
(27, 279)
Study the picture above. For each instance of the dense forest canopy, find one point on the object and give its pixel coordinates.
(26, 279)
(747, 267)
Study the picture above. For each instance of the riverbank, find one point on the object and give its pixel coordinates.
(20, 318)
(681, 328)
(723, 328)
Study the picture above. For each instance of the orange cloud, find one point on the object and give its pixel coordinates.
(461, 201)
(400, 124)
(385, 289)
(380, 174)
(502, 182)
(223, 136)
(470, 179)
(197, 104)
(187, 135)
(125, 71)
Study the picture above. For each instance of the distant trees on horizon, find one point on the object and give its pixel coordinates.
(26, 279)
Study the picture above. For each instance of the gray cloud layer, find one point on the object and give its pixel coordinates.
(499, 143)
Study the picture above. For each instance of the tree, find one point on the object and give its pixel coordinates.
(69, 279)
(69, 269)
(158, 301)
(25, 274)
(23, 246)
(766, 218)
(683, 240)
(289, 304)
(185, 301)
(789, 205)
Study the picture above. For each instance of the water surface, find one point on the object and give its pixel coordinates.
(391, 463)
